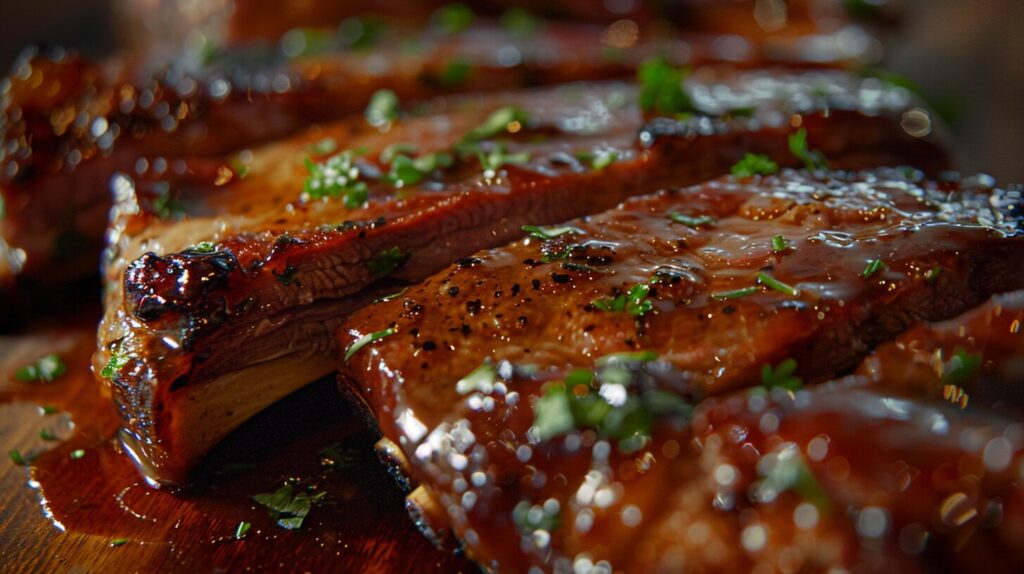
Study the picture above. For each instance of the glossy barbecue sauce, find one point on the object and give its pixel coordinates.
(87, 487)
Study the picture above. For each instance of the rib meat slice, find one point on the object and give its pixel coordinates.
(523, 386)
(68, 125)
(182, 315)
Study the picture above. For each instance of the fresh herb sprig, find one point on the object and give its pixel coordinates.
(661, 88)
(813, 160)
(754, 164)
(45, 370)
(634, 301)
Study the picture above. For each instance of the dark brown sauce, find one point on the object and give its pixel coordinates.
(96, 496)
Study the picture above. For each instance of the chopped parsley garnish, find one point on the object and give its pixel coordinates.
(661, 88)
(77, 454)
(166, 205)
(608, 408)
(550, 232)
(45, 370)
(932, 275)
(323, 147)
(48, 409)
(408, 171)
(781, 376)
(773, 283)
(634, 301)
(386, 262)
(627, 357)
(813, 160)
(392, 296)
(754, 164)
(204, 247)
(116, 362)
(692, 221)
(498, 122)
(481, 379)
(118, 542)
(961, 367)
(452, 18)
(498, 157)
(455, 73)
(786, 470)
(288, 507)
(603, 159)
(734, 293)
(338, 177)
(17, 458)
(242, 530)
(873, 266)
(779, 243)
(46, 434)
(366, 340)
(382, 110)
(529, 517)
(394, 150)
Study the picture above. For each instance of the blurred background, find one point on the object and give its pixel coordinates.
(966, 56)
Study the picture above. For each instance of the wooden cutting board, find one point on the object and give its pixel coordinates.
(79, 506)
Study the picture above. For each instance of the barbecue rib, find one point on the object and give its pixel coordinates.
(523, 386)
(184, 317)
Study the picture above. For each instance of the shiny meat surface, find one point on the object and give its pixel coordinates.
(181, 312)
(557, 398)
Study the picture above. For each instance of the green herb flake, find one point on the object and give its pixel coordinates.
(538, 232)
(242, 529)
(45, 370)
(553, 414)
(773, 283)
(288, 507)
(394, 150)
(754, 164)
(496, 123)
(813, 160)
(495, 159)
(873, 266)
(118, 542)
(734, 293)
(529, 518)
(327, 145)
(482, 379)
(634, 301)
(788, 471)
(204, 247)
(781, 376)
(455, 73)
(961, 367)
(77, 454)
(46, 434)
(932, 275)
(360, 33)
(386, 262)
(366, 340)
(629, 357)
(382, 110)
(338, 177)
(603, 159)
(692, 221)
(48, 410)
(779, 244)
(661, 88)
(452, 18)
(337, 455)
(166, 205)
(17, 458)
(392, 296)
(519, 22)
(114, 365)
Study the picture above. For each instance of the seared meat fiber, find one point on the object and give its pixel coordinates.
(188, 323)
(543, 393)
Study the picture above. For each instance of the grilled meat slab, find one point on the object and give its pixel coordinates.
(183, 315)
(543, 393)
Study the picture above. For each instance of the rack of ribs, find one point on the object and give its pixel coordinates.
(638, 389)
(214, 315)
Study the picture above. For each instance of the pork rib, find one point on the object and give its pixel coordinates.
(524, 389)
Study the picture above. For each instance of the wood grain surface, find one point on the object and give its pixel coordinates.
(79, 505)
